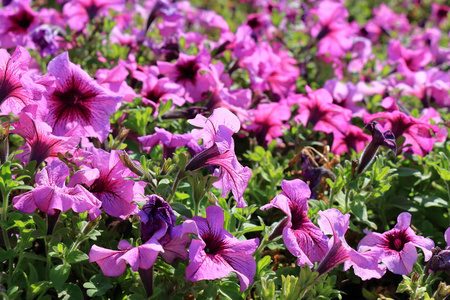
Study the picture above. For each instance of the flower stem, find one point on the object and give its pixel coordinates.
(147, 280)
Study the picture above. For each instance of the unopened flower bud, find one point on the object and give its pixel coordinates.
(154, 214)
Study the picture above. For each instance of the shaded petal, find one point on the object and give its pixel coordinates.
(401, 262)
(108, 260)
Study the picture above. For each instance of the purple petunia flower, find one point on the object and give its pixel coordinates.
(51, 194)
(365, 265)
(217, 138)
(16, 21)
(78, 100)
(354, 139)
(217, 253)
(398, 245)
(302, 238)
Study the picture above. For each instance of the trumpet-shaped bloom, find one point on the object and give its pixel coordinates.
(41, 143)
(113, 262)
(16, 21)
(169, 141)
(365, 265)
(398, 245)
(217, 253)
(355, 139)
(109, 184)
(269, 121)
(192, 72)
(13, 96)
(318, 109)
(78, 100)
(51, 194)
(217, 139)
(302, 238)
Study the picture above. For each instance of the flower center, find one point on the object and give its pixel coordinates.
(21, 21)
(397, 240)
(188, 71)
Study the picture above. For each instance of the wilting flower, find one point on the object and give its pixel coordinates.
(105, 175)
(13, 96)
(398, 245)
(440, 260)
(301, 237)
(217, 138)
(78, 100)
(51, 195)
(379, 138)
(41, 143)
(417, 133)
(113, 262)
(217, 252)
(45, 37)
(157, 215)
(314, 175)
(365, 265)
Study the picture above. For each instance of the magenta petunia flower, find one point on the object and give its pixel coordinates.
(317, 108)
(217, 252)
(78, 100)
(365, 265)
(334, 34)
(51, 194)
(41, 143)
(386, 21)
(79, 12)
(13, 96)
(216, 132)
(398, 245)
(16, 21)
(159, 90)
(354, 139)
(408, 61)
(192, 72)
(302, 238)
(115, 80)
(113, 262)
(269, 121)
(109, 184)
(417, 133)
(346, 95)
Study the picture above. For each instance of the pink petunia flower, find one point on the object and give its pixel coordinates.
(41, 143)
(408, 61)
(78, 100)
(191, 72)
(105, 175)
(13, 95)
(217, 253)
(269, 120)
(317, 108)
(216, 132)
(113, 262)
(365, 265)
(51, 194)
(16, 22)
(79, 12)
(346, 95)
(397, 246)
(302, 238)
(355, 139)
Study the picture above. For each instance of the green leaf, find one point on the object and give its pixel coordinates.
(39, 288)
(210, 291)
(98, 285)
(71, 291)
(76, 256)
(231, 290)
(7, 254)
(262, 264)
(181, 209)
(59, 275)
